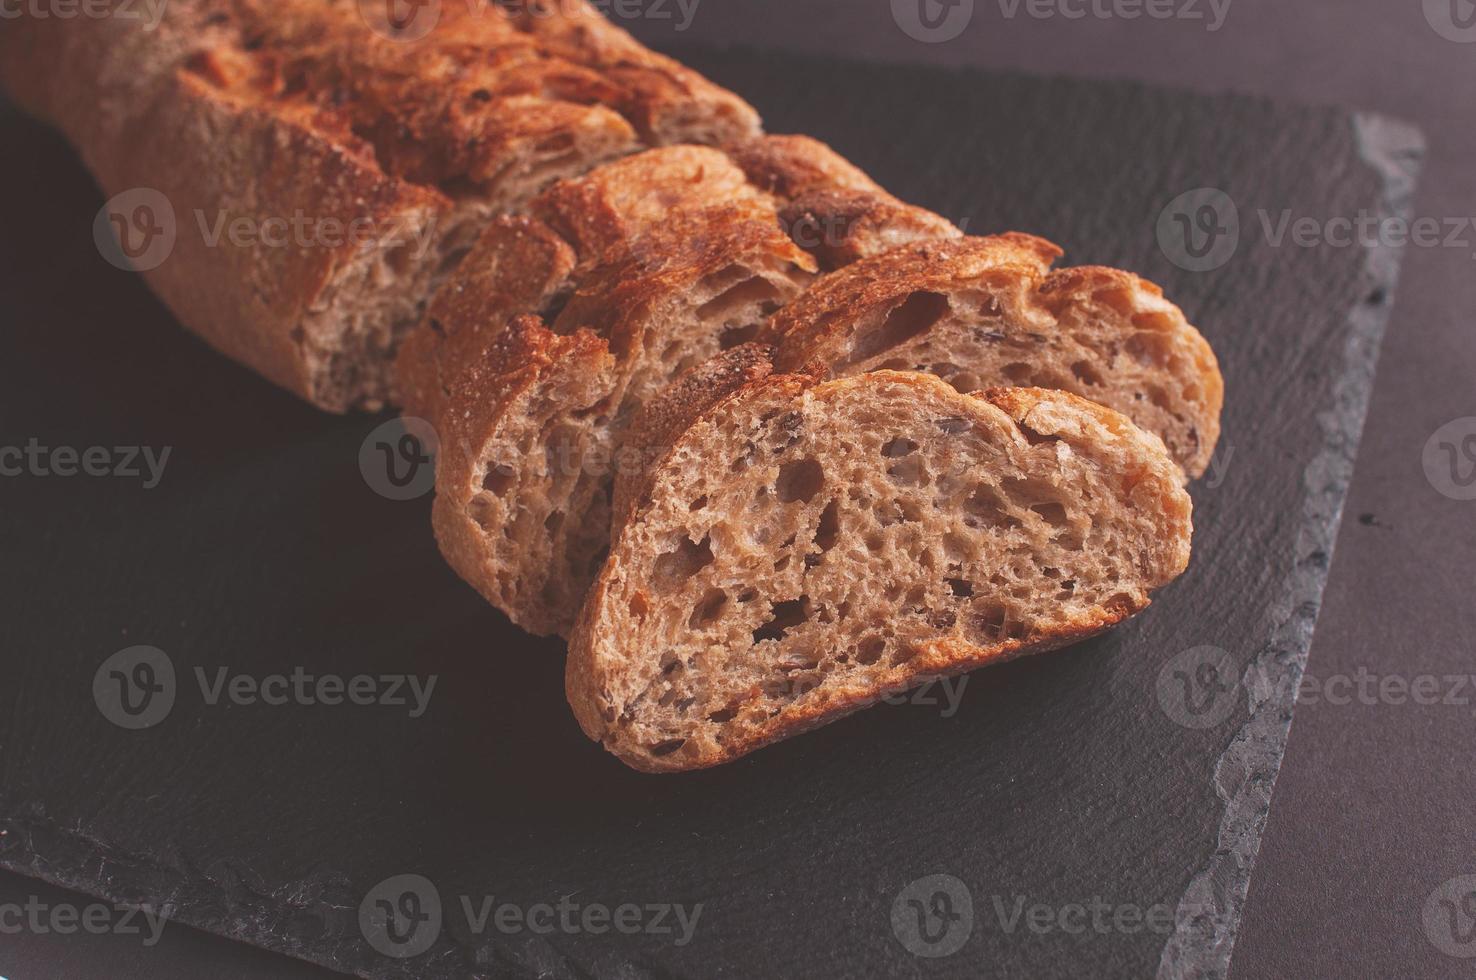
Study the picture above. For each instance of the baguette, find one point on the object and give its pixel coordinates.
(299, 110)
(806, 548)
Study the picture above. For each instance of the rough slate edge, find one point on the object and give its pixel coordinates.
(1208, 917)
(1245, 775)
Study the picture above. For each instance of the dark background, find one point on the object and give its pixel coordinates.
(1372, 808)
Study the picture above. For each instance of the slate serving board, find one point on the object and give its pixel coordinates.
(1128, 778)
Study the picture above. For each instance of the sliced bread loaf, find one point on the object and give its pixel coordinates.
(384, 150)
(806, 548)
(664, 258)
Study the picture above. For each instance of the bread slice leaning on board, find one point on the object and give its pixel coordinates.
(305, 111)
(805, 548)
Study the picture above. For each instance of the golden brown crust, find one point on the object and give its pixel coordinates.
(840, 227)
(616, 298)
(614, 203)
(791, 166)
(270, 110)
(831, 306)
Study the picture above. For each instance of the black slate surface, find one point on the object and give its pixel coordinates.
(1065, 780)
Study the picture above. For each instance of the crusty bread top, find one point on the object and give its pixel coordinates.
(614, 299)
(612, 204)
(837, 299)
(446, 106)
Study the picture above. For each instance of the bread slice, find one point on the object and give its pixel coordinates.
(982, 312)
(806, 548)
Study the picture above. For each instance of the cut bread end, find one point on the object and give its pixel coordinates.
(984, 312)
(805, 549)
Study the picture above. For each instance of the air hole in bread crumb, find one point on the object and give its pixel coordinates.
(985, 509)
(708, 609)
(1119, 300)
(785, 616)
(912, 317)
(554, 521)
(724, 715)
(1052, 513)
(699, 503)
(799, 481)
(899, 447)
(990, 622)
(870, 651)
(1035, 438)
(953, 426)
(828, 531)
(499, 479)
(666, 748)
(1018, 374)
(745, 293)
(675, 567)
(909, 472)
(736, 336)
(961, 589)
(1086, 373)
